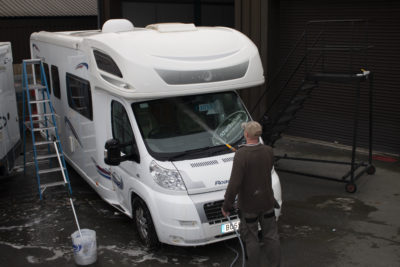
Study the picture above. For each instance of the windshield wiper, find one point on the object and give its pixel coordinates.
(189, 152)
(213, 150)
(197, 150)
(231, 148)
(225, 148)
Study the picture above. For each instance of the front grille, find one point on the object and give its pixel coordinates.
(214, 214)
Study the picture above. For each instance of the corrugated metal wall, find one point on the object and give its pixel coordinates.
(328, 115)
(18, 30)
(201, 12)
(252, 18)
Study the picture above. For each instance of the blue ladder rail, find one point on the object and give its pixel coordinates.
(45, 122)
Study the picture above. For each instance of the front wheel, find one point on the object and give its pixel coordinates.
(144, 223)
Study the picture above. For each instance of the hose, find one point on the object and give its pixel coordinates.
(241, 244)
(234, 251)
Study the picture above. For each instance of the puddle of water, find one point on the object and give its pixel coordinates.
(199, 260)
(352, 207)
(58, 253)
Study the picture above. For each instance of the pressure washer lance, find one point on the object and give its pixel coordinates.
(69, 193)
(230, 147)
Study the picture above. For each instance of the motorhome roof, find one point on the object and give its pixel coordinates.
(200, 42)
(164, 53)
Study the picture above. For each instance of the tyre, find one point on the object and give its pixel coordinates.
(4, 169)
(144, 223)
(351, 188)
(371, 170)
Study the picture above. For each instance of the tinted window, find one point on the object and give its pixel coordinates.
(121, 127)
(79, 95)
(106, 63)
(55, 81)
(47, 73)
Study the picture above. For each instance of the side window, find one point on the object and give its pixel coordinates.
(106, 63)
(55, 81)
(47, 73)
(79, 95)
(121, 128)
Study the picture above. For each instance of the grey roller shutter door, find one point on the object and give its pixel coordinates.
(328, 114)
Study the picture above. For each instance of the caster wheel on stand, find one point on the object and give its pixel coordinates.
(371, 170)
(351, 188)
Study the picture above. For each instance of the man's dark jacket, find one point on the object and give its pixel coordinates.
(251, 180)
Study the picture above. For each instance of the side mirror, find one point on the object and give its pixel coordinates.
(112, 152)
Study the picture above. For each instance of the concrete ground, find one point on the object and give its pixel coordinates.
(321, 225)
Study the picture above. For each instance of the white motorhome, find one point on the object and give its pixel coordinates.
(162, 100)
(10, 140)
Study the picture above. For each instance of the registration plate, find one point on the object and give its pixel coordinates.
(227, 227)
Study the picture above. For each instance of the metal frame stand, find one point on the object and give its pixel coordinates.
(351, 77)
(367, 167)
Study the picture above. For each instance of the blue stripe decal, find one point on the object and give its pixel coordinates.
(102, 174)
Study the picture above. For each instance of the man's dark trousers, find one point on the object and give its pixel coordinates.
(268, 251)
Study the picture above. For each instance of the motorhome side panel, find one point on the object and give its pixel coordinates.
(74, 105)
(9, 127)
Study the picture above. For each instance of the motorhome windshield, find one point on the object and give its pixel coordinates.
(191, 126)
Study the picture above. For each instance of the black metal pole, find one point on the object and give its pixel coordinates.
(371, 110)
(197, 12)
(355, 132)
(99, 13)
(306, 50)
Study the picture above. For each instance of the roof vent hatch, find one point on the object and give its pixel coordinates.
(117, 25)
(172, 27)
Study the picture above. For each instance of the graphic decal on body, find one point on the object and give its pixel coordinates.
(6, 60)
(103, 172)
(68, 122)
(81, 65)
(106, 173)
(117, 180)
(221, 182)
(35, 47)
(3, 122)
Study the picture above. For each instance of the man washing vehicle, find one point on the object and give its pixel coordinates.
(251, 181)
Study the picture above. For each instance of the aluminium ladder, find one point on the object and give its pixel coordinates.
(44, 123)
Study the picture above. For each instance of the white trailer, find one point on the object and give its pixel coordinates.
(10, 140)
(165, 96)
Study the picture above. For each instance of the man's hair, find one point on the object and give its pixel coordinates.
(253, 129)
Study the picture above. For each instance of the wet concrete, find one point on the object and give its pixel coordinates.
(321, 225)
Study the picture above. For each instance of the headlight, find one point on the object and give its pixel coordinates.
(169, 179)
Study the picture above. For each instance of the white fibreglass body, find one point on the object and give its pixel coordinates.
(141, 55)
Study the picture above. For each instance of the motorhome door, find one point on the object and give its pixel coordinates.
(121, 130)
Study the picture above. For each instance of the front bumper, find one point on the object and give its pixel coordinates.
(194, 220)
(182, 221)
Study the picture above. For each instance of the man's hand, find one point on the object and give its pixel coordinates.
(225, 213)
